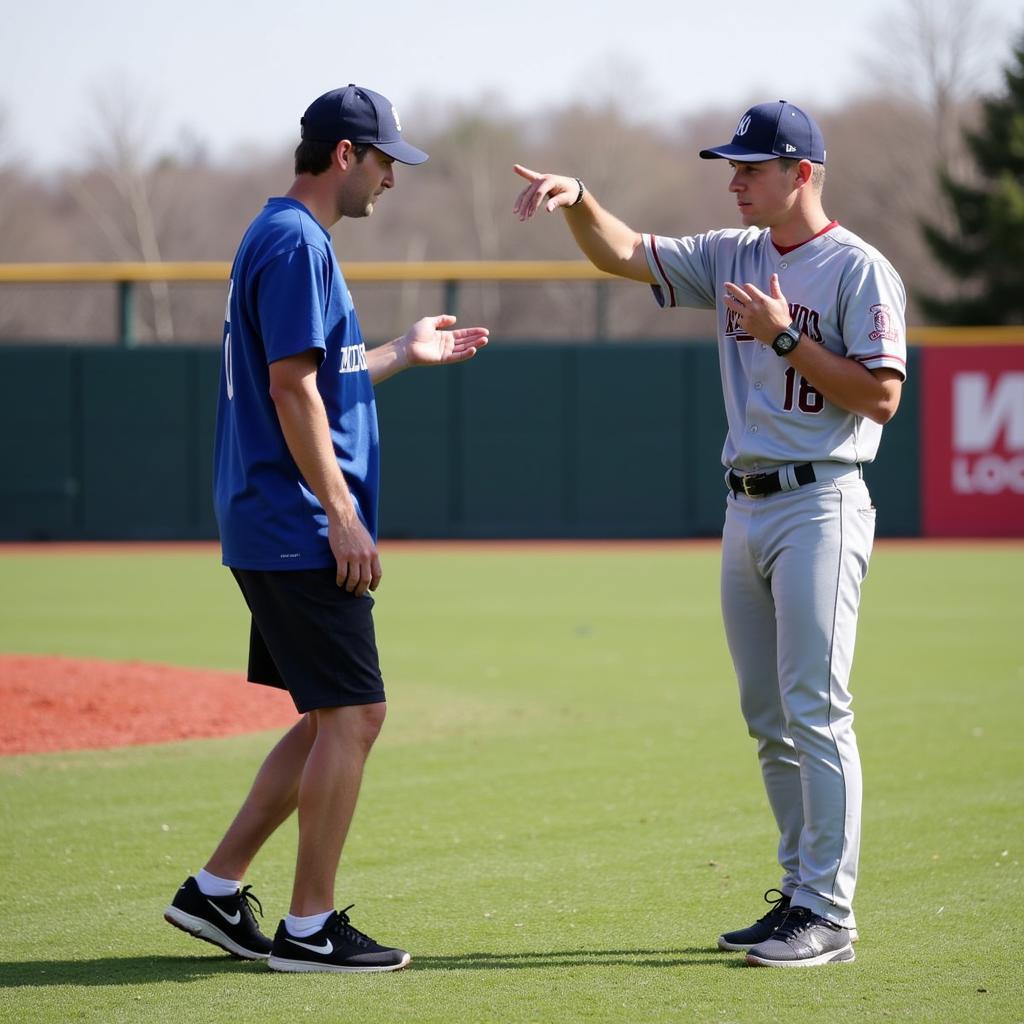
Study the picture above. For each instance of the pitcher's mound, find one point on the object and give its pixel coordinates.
(74, 704)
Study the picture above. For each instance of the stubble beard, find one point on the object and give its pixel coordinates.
(354, 212)
(355, 207)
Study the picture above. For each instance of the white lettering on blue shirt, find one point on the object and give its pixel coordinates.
(353, 359)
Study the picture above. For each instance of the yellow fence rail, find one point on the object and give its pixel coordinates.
(451, 272)
(213, 271)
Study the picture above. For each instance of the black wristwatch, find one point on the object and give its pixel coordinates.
(787, 340)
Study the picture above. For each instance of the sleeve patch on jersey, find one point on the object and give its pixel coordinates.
(886, 328)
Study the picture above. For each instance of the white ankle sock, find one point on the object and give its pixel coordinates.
(211, 885)
(301, 927)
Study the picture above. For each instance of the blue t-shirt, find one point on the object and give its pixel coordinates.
(287, 296)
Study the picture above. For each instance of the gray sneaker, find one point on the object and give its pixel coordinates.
(744, 938)
(803, 940)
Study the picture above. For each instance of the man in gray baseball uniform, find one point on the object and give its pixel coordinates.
(812, 347)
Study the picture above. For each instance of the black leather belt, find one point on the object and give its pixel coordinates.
(757, 485)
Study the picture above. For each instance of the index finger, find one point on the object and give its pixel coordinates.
(525, 172)
(736, 291)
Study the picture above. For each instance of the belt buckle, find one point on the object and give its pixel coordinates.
(747, 481)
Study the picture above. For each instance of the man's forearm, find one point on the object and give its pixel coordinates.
(844, 382)
(386, 360)
(606, 241)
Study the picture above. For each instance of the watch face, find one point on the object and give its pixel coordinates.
(785, 342)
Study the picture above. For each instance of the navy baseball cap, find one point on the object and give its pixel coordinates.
(359, 115)
(772, 130)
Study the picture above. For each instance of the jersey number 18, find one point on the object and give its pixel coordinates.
(807, 399)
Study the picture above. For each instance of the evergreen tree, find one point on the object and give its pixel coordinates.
(985, 249)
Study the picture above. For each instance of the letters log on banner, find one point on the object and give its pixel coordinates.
(973, 442)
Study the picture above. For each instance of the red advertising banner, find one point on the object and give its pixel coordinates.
(972, 436)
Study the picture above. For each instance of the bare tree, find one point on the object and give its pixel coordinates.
(128, 203)
(124, 128)
(937, 52)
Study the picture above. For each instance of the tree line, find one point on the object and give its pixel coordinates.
(935, 180)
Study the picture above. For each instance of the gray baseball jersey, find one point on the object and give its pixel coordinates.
(841, 292)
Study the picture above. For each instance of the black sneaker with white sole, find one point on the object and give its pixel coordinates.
(803, 940)
(762, 928)
(336, 947)
(225, 921)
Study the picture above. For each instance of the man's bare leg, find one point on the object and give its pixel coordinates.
(226, 919)
(273, 797)
(327, 796)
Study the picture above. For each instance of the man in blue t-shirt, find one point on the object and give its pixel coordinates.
(296, 474)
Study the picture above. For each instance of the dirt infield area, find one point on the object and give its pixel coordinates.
(73, 704)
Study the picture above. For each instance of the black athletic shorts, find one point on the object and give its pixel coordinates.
(311, 637)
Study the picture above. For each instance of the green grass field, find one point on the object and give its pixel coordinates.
(562, 813)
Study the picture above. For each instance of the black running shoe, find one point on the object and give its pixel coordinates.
(761, 929)
(336, 947)
(226, 921)
(803, 940)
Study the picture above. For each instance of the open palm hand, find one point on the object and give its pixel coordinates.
(429, 342)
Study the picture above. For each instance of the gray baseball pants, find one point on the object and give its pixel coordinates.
(792, 567)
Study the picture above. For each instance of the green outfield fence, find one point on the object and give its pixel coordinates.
(553, 440)
(531, 441)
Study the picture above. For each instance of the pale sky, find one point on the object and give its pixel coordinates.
(225, 72)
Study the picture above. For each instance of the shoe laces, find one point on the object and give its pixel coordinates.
(343, 925)
(797, 920)
(776, 904)
(250, 901)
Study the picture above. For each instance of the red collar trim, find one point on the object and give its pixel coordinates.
(783, 249)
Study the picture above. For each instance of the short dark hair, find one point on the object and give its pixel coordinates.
(817, 174)
(313, 156)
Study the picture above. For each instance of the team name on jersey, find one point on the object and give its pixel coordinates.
(733, 329)
(807, 320)
(353, 359)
